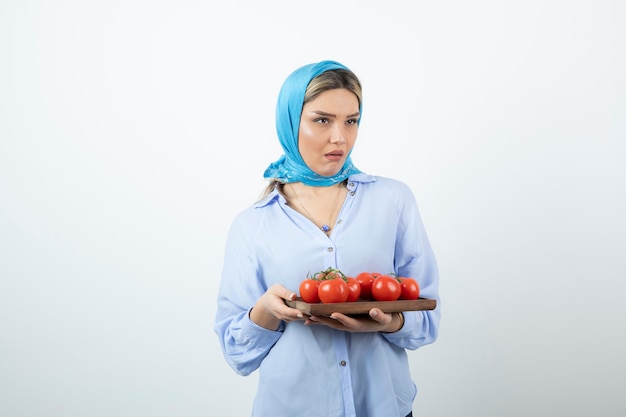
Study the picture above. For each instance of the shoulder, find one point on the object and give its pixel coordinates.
(381, 183)
(252, 214)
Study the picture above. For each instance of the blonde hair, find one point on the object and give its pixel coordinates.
(331, 80)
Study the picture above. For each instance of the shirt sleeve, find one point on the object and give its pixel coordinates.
(414, 258)
(244, 343)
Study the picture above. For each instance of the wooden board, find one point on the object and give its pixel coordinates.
(362, 306)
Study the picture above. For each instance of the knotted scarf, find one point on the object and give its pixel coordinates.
(290, 167)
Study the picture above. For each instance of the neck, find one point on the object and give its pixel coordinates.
(321, 205)
(304, 190)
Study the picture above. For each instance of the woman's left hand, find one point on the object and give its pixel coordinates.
(376, 321)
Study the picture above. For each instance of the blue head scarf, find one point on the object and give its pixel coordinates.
(290, 167)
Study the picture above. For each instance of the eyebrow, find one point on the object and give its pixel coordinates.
(323, 113)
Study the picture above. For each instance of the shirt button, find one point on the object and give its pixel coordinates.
(342, 363)
(339, 221)
(330, 249)
(352, 193)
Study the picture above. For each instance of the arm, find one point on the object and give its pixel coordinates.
(249, 319)
(414, 258)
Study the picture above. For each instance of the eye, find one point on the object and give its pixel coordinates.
(322, 120)
(352, 121)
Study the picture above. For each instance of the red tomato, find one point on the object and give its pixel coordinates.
(365, 280)
(410, 289)
(308, 290)
(333, 291)
(386, 288)
(354, 289)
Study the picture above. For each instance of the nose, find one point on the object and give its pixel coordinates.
(337, 137)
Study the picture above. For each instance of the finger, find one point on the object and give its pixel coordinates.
(379, 316)
(282, 292)
(328, 321)
(341, 318)
(291, 313)
(287, 294)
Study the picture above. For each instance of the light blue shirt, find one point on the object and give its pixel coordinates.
(316, 371)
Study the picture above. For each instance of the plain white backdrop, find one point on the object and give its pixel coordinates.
(132, 132)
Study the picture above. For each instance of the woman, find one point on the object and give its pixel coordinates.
(320, 211)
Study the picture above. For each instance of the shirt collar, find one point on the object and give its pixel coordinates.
(353, 181)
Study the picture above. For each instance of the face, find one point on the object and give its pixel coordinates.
(328, 130)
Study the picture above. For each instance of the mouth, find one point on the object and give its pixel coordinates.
(334, 155)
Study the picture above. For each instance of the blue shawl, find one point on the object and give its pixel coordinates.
(290, 167)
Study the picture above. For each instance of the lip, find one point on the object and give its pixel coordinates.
(334, 155)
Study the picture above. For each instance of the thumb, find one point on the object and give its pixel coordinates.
(282, 292)
(378, 315)
(289, 295)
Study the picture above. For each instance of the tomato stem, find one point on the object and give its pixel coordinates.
(330, 273)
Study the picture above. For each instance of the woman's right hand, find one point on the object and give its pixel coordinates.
(270, 309)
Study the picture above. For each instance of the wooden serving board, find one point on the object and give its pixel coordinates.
(362, 306)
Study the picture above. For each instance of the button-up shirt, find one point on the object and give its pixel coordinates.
(317, 371)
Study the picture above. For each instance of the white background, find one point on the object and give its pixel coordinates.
(131, 133)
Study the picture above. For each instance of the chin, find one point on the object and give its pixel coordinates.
(329, 171)
(327, 174)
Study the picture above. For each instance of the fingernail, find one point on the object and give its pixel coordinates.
(374, 313)
(300, 316)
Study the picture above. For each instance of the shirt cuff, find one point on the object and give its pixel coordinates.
(258, 335)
